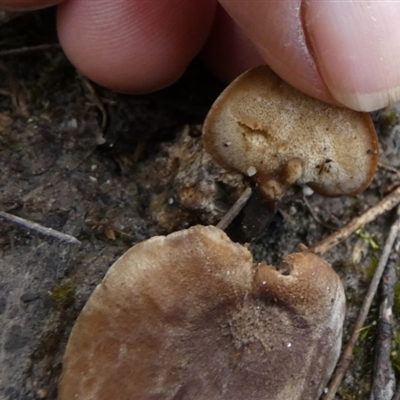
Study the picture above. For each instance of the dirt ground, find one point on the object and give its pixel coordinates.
(111, 170)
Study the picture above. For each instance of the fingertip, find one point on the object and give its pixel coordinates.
(345, 53)
(131, 45)
(356, 46)
(277, 32)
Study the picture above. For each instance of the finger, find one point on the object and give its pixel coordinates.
(228, 52)
(346, 52)
(276, 29)
(134, 45)
(27, 4)
(356, 46)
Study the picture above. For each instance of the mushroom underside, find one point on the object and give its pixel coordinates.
(260, 124)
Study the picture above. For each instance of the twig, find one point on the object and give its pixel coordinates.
(28, 49)
(139, 150)
(388, 168)
(397, 393)
(347, 355)
(5, 92)
(386, 204)
(383, 384)
(235, 209)
(35, 227)
(96, 101)
(16, 94)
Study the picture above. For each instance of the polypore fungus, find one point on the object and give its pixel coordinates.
(190, 316)
(265, 128)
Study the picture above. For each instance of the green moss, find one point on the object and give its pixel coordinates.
(365, 331)
(346, 392)
(371, 267)
(46, 105)
(356, 384)
(368, 237)
(388, 119)
(63, 295)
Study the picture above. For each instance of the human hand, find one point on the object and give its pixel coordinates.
(345, 52)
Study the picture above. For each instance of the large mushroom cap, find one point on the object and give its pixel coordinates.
(189, 316)
(259, 124)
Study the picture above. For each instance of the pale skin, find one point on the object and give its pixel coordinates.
(345, 52)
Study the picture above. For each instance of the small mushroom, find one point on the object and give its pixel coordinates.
(263, 127)
(190, 316)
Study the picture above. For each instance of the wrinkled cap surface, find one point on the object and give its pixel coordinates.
(189, 316)
(260, 123)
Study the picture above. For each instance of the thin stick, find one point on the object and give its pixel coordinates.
(235, 209)
(397, 393)
(35, 227)
(22, 50)
(388, 168)
(96, 101)
(384, 382)
(386, 204)
(5, 92)
(347, 355)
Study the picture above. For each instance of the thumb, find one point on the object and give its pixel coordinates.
(345, 52)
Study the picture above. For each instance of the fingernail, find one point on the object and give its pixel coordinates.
(356, 46)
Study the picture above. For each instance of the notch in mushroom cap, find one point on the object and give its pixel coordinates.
(265, 128)
(190, 316)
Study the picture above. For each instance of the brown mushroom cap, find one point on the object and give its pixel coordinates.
(260, 124)
(189, 316)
